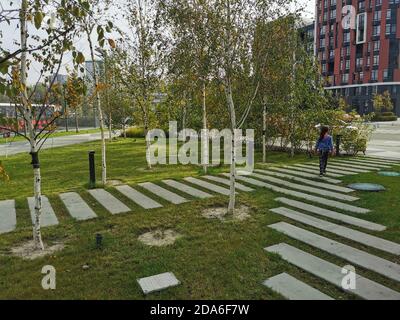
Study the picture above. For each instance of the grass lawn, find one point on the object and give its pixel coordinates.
(71, 132)
(213, 259)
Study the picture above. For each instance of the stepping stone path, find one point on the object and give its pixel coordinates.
(301, 195)
(353, 255)
(332, 214)
(47, 217)
(332, 273)
(338, 169)
(137, 197)
(238, 186)
(306, 181)
(187, 189)
(209, 186)
(375, 163)
(163, 193)
(307, 168)
(76, 207)
(158, 282)
(108, 201)
(294, 289)
(344, 232)
(285, 183)
(8, 216)
(305, 174)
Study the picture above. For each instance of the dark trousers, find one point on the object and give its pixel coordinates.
(323, 161)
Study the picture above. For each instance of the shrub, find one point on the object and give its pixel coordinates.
(135, 132)
(385, 116)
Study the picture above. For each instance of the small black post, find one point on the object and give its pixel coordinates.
(338, 139)
(92, 170)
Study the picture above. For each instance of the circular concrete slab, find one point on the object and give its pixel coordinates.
(372, 187)
(389, 173)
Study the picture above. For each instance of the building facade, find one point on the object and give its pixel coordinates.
(357, 43)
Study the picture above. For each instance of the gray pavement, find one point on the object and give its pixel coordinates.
(385, 141)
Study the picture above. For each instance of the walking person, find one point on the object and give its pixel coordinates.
(324, 147)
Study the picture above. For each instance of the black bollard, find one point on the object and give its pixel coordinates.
(338, 138)
(92, 170)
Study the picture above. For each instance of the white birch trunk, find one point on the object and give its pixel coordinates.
(110, 126)
(28, 114)
(264, 138)
(232, 175)
(100, 112)
(205, 143)
(148, 144)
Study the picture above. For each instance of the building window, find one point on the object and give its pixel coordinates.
(388, 14)
(345, 78)
(346, 37)
(377, 45)
(385, 74)
(377, 15)
(374, 75)
(376, 60)
(376, 31)
(361, 31)
(361, 76)
(347, 65)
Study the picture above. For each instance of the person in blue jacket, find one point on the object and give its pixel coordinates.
(324, 147)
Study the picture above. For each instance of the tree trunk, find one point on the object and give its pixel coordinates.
(146, 130)
(110, 126)
(232, 175)
(28, 115)
(264, 137)
(100, 112)
(205, 144)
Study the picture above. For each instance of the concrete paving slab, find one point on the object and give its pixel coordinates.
(353, 255)
(306, 181)
(209, 186)
(294, 289)
(332, 214)
(138, 197)
(332, 273)
(187, 189)
(8, 216)
(77, 207)
(226, 182)
(353, 164)
(163, 193)
(108, 201)
(326, 193)
(301, 195)
(355, 235)
(158, 282)
(305, 168)
(374, 163)
(300, 173)
(47, 217)
(341, 169)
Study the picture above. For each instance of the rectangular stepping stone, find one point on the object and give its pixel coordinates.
(209, 186)
(238, 186)
(338, 169)
(324, 201)
(187, 189)
(353, 255)
(332, 214)
(305, 168)
(294, 289)
(291, 185)
(137, 197)
(352, 164)
(8, 216)
(306, 181)
(305, 174)
(163, 193)
(47, 217)
(357, 236)
(77, 207)
(332, 273)
(108, 201)
(381, 159)
(367, 162)
(158, 282)
(344, 167)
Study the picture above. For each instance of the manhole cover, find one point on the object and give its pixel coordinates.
(389, 173)
(367, 187)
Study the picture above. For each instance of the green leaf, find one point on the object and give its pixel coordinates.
(38, 19)
(80, 58)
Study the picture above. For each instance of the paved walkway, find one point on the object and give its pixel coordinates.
(307, 201)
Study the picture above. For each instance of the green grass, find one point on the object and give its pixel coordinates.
(71, 132)
(213, 259)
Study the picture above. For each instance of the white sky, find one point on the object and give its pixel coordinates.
(8, 41)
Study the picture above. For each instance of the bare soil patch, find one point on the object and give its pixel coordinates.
(241, 213)
(159, 238)
(28, 250)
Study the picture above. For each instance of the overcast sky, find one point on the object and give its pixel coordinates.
(8, 41)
